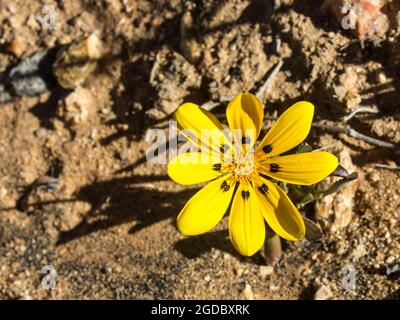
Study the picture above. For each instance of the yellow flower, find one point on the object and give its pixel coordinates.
(241, 176)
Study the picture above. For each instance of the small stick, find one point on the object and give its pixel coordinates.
(210, 104)
(385, 166)
(326, 147)
(355, 134)
(269, 80)
(360, 109)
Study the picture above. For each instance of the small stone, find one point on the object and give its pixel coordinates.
(248, 292)
(28, 78)
(390, 259)
(359, 252)
(78, 105)
(323, 293)
(381, 78)
(239, 271)
(374, 177)
(207, 278)
(266, 271)
(77, 61)
(17, 48)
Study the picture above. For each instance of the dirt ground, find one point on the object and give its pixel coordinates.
(107, 225)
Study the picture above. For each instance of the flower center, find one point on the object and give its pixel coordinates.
(244, 165)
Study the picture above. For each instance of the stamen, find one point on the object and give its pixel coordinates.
(267, 148)
(274, 167)
(245, 194)
(263, 188)
(225, 186)
(216, 167)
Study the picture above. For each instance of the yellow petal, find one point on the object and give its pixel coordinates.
(194, 167)
(201, 127)
(303, 168)
(245, 113)
(246, 223)
(279, 211)
(291, 128)
(206, 208)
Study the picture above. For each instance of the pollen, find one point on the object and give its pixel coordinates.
(244, 165)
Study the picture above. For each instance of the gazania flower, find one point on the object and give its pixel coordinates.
(241, 177)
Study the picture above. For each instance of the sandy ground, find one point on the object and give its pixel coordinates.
(108, 225)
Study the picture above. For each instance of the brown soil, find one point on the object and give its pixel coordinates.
(109, 226)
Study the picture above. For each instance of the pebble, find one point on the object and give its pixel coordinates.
(248, 292)
(266, 270)
(381, 78)
(390, 259)
(323, 293)
(77, 61)
(359, 252)
(27, 78)
(374, 177)
(17, 48)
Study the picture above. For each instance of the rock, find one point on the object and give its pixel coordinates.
(340, 204)
(248, 292)
(77, 61)
(393, 271)
(390, 259)
(374, 177)
(173, 78)
(266, 271)
(363, 17)
(323, 293)
(29, 77)
(359, 252)
(77, 106)
(17, 47)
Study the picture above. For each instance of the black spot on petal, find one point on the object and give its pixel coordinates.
(274, 167)
(225, 186)
(216, 167)
(267, 148)
(263, 188)
(245, 194)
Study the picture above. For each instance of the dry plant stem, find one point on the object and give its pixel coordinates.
(355, 134)
(385, 166)
(210, 104)
(360, 109)
(267, 84)
(272, 248)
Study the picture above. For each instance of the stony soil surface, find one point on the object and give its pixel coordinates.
(108, 225)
